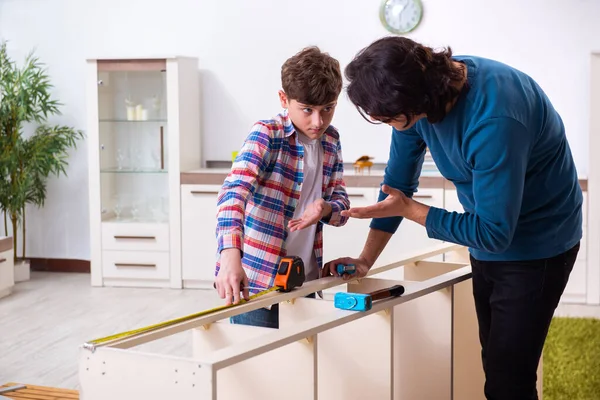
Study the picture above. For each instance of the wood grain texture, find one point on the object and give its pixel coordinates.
(45, 321)
(34, 392)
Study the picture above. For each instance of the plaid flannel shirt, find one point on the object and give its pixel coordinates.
(261, 192)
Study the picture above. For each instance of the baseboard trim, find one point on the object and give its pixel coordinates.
(59, 265)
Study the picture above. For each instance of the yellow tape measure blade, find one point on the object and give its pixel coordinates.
(146, 329)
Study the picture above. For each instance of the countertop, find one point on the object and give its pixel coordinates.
(6, 243)
(429, 178)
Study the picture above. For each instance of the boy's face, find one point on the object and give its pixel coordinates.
(310, 120)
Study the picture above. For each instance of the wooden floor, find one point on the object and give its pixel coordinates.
(45, 320)
(34, 392)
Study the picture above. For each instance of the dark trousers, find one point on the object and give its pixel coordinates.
(515, 302)
(267, 318)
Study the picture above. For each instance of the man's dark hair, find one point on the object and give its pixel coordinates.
(397, 76)
(312, 77)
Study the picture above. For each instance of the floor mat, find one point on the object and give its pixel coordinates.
(572, 359)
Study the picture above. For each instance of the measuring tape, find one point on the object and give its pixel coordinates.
(92, 344)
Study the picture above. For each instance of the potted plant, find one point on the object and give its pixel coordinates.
(26, 161)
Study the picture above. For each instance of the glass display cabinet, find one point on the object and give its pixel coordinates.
(143, 130)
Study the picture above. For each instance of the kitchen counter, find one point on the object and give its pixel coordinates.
(428, 179)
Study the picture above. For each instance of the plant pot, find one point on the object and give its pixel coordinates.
(22, 271)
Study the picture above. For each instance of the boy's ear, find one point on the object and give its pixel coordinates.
(283, 99)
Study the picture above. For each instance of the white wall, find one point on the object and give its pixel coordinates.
(241, 45)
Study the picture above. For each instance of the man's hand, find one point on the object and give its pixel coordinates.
(312, 214)
(396, 204)
(362, 267)
(231, 277)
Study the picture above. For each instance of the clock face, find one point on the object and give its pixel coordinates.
(401, 16)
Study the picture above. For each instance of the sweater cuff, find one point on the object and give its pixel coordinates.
(433, 221)
(389, 224)
(335, 218)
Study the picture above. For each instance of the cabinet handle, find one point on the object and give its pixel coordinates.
(135, 265)
(136, 237)
(422, 196)
(204, 192)
(2, 260)
(162, 147)
(356, 195)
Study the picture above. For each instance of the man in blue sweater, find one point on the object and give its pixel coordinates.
(492, 131)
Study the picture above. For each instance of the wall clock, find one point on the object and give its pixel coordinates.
(400, 16)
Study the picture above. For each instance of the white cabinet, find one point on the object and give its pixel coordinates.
(198, 240)
(576, 290)
(143, 130)
(349, 240)
(451, 202)
(410, 236)
(7, 268)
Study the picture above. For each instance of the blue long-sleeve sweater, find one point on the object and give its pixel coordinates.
(503, 146)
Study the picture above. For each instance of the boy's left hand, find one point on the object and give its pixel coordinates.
(312, 214)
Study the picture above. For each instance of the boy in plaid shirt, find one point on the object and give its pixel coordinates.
(286, 182)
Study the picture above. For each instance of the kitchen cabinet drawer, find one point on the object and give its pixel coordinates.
(135, 236)
(135, 265)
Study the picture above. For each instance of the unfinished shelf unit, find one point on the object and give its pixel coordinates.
(421, 345)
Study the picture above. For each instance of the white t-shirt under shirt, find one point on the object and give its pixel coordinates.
(300, 243)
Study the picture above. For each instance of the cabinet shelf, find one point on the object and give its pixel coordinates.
(134, 121)
(133, 171)
(140, 220)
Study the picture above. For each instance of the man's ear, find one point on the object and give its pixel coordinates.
(283, 99)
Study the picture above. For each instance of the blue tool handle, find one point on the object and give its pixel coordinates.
(345, 269)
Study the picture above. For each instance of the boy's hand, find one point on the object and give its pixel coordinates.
(313, 214)
(231, 277)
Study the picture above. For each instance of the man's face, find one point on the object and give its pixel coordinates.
(310, 120)
(399, 122)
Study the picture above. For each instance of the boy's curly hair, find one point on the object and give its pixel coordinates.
(312, 77)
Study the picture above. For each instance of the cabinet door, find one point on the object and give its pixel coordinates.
(348, 240)
(411, 236)
(198, 223)
(576, 289)
(451, 202)
(7, 272)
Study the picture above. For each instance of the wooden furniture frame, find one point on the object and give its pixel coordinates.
(423, 344)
